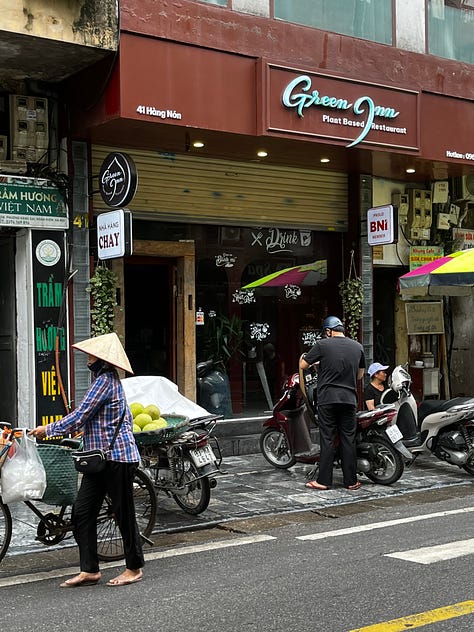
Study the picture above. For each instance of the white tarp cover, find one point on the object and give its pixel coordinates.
(151, 389)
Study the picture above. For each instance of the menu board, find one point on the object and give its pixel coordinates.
(425, 317)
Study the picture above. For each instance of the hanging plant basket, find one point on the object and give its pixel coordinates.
(351, 292)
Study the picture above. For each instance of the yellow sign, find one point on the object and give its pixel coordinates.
(419, 255)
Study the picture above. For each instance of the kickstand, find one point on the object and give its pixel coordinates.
(411, 461)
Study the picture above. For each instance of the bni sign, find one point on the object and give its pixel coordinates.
(382, 225)
(114, 234)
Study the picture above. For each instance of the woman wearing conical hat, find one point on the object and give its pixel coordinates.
(97, 416)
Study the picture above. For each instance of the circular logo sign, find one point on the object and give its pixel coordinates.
(118, 180)
(48, 252)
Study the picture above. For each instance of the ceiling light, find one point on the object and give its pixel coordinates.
(410, 170)
(324, 160)
(198, 144)
(262, 153)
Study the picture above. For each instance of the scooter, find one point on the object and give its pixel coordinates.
(286, 439)
(213, 389)
(444, 428)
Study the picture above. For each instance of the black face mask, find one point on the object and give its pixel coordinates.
(95, 366)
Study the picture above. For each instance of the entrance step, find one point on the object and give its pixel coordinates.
(242, 436)
(239, 436)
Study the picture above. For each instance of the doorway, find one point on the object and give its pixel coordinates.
(150, 315)
(8, 385)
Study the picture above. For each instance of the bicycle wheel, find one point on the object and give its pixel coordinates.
(5, 529)
(109, 540)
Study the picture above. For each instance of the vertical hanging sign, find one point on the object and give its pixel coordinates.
(48, 296)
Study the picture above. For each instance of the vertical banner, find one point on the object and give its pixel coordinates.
(48, 255)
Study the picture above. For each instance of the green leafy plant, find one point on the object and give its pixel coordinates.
(351, 292)
(224, 339)
(103, 290)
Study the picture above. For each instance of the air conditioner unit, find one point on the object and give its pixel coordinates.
(463, 188)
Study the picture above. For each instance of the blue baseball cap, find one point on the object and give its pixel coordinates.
(376, 366)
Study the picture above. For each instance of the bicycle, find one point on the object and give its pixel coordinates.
(55, 525)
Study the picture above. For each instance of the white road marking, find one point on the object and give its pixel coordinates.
(156, 555)
(382, 525)
(438, 553)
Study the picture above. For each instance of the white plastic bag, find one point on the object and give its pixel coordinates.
(23, 475)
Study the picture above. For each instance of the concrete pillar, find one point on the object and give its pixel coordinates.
(410, 25)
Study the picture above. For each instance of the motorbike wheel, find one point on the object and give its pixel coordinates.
(469, 468)
(197, 491)
(274, 448)
(388, 465)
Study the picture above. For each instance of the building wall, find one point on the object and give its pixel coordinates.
(88, 22)
(304, 47)
(461, 345)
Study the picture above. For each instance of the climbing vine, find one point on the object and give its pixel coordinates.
(103, 290)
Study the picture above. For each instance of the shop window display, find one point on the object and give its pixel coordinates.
(257, 335)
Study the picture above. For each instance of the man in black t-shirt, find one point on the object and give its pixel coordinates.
(341, 364)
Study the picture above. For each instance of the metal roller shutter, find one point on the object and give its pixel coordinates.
(193, 189)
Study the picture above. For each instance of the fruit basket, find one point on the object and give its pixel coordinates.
(177, 424)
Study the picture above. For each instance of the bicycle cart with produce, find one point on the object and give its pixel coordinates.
(181, 459)
(54, 507)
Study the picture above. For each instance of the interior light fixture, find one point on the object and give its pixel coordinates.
(410, 170)
(262, 153)
(198, 144)
(324, 160)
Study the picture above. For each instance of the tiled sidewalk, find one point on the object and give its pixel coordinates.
(251, 487)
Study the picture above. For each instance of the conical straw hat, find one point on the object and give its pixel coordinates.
(108, 348)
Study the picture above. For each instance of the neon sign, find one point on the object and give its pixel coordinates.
(298, 95)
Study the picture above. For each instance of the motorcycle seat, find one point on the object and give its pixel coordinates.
(429, 406)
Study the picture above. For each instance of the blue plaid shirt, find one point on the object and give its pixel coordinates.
(98, 415)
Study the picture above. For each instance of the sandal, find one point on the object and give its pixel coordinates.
(352, 488)
(316, 485)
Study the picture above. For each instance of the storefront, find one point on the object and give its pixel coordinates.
(33, 305)
(210, 215)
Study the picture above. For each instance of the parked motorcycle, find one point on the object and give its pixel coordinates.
(183, 464)
(286, 440)
(444, 428)
(213, 389)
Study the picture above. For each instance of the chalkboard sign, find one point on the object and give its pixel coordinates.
(425, 317)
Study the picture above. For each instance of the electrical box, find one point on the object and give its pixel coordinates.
(400, 200)
(419, 217)
(427, 207)
(29, 130)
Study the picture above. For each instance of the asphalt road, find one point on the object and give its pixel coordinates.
(335, 569)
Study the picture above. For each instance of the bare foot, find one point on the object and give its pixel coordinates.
(83, 579)
(127, 577)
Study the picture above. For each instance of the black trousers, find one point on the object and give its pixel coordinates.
(337, 420)
(116, 480)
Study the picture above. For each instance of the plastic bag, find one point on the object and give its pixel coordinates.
(23, 474)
